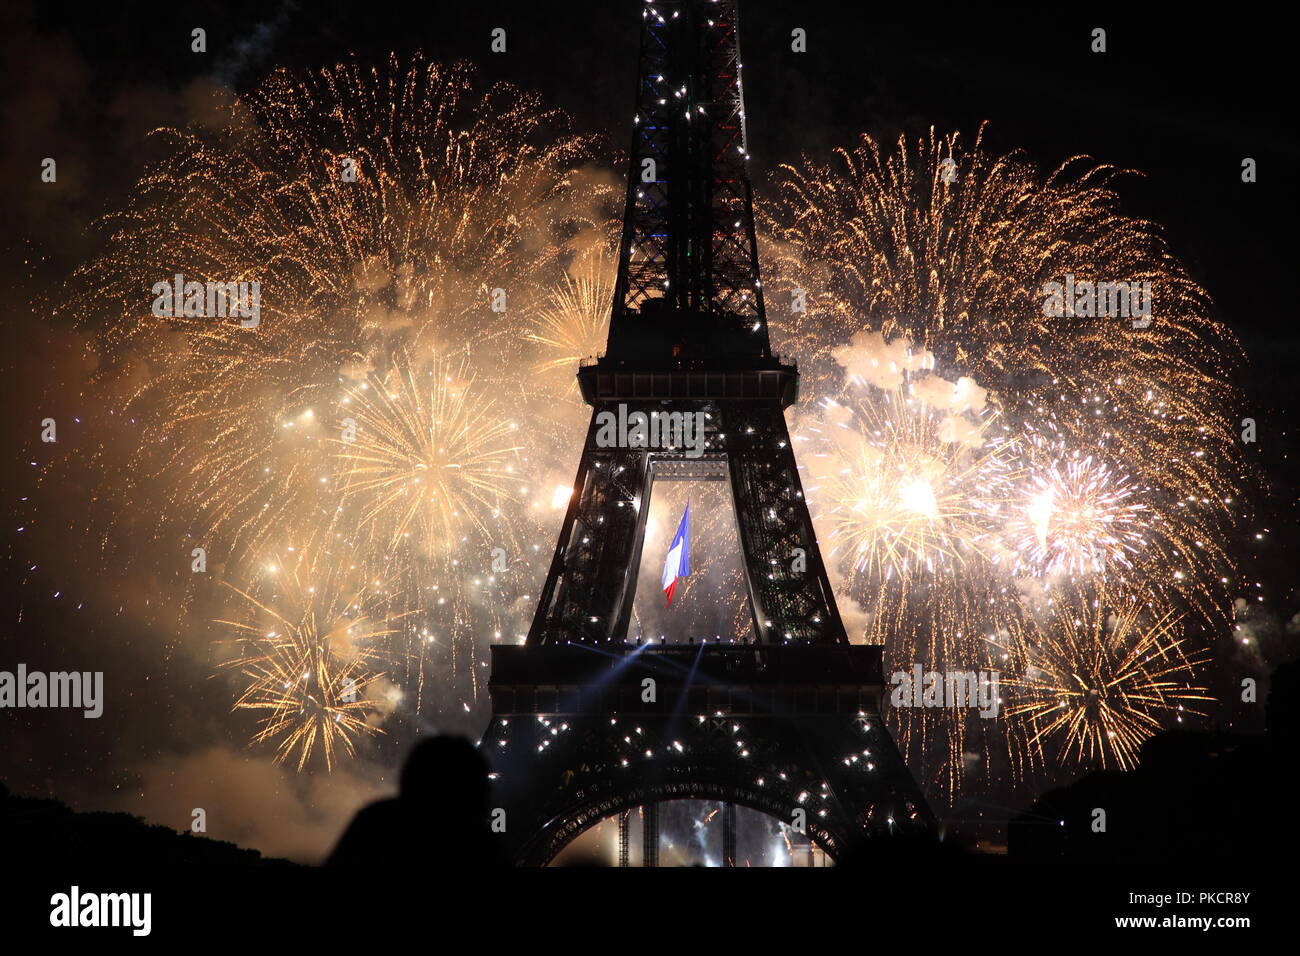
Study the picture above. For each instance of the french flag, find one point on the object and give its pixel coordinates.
(678, 563)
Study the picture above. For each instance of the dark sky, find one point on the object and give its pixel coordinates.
(1183, 102)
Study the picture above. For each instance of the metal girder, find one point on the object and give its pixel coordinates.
(592, 579)
(842, 771)
(791, 731)
(688, 230)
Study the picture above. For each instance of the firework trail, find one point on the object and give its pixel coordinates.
(309, 644)
(424, 453)
(381, 210)
(378, 209)
(1098, 677)
(909, 482)
(1077, 518)
(951, 248)
(573, 323)
(1119, 438)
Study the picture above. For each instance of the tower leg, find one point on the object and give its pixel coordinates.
(650, 835)
(728, 834)
(790, 595)
(623, 819)
(591, 583)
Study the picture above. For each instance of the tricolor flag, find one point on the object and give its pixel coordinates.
(678, 563)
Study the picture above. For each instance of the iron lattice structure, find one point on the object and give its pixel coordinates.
(788, 724)
(688, 230)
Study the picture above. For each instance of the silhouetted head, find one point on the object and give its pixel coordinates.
(448, 772)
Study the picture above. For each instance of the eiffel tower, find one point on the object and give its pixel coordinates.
(587, 725)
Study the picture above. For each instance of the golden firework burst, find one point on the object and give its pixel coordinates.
(1098, 678)
(422, 451)
(573, 322)
(309, 649)
(377, 209)
(1077, 517)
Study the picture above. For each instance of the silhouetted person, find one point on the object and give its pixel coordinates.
(439, 818)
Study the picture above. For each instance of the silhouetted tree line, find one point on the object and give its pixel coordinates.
(47, 832)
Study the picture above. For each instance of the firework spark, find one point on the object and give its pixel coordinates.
(1130, 465)
(428, 455)
(1077, 517)
(309, 652)
(378, 209)
(383, 211)
(1098, 680)
(573, 323)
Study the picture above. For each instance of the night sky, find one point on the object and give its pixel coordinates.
(1182, 103)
